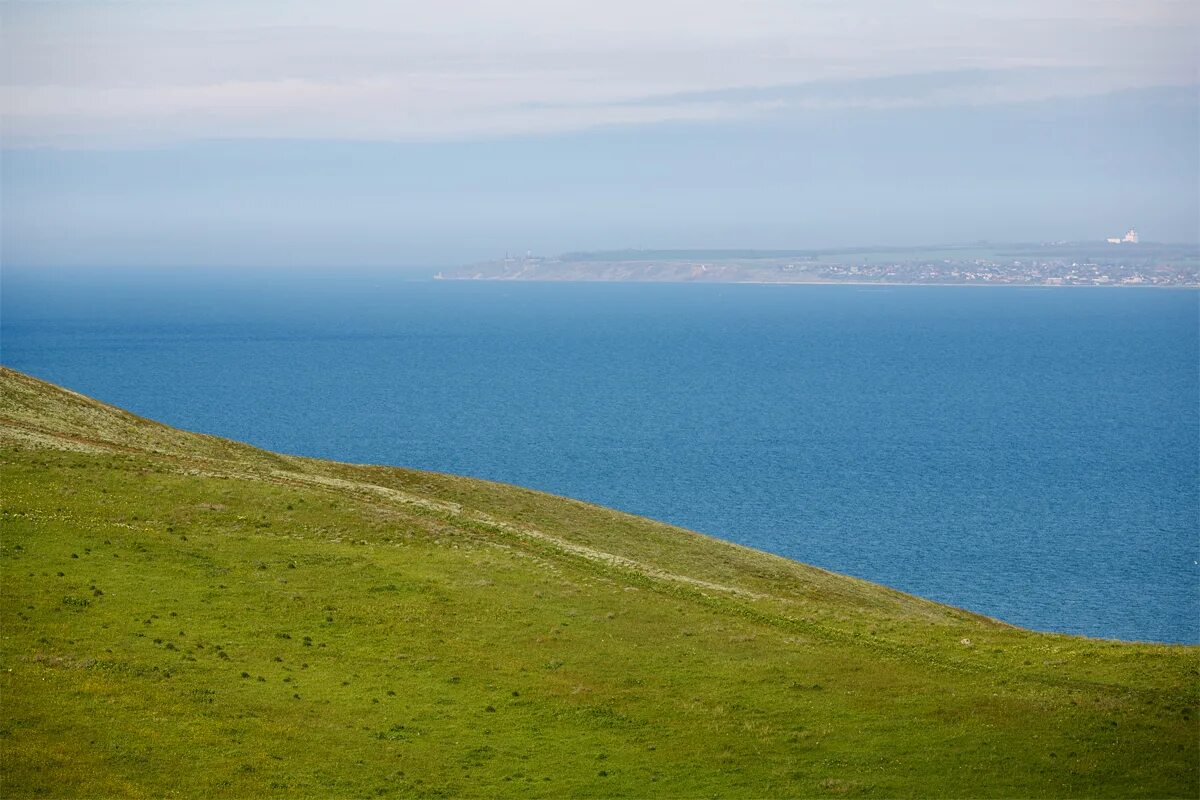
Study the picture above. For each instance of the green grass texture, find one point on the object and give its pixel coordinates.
(185, 616)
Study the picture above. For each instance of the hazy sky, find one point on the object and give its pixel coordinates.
(146, 132)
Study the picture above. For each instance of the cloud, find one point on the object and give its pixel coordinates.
(125, 73)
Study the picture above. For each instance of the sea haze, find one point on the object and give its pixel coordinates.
(1030, 454)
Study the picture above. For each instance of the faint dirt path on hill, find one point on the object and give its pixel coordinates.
(480, 518)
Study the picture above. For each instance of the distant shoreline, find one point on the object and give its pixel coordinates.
(978, 284)
(1079, 264)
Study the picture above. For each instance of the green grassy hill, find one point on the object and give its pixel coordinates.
(188, 616)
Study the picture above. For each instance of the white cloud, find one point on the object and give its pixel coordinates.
(113, 73)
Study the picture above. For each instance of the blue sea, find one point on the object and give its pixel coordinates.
(1030, 454)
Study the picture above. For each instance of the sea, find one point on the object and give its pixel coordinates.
(1032, 454)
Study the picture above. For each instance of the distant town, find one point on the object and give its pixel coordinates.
(1118, 261)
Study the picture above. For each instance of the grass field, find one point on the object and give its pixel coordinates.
(188, 616)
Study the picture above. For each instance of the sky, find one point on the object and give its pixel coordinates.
(168, 133)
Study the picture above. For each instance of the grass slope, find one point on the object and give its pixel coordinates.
(187, 616)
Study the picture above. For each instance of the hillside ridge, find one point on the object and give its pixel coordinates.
(69, 420)
(180, 610)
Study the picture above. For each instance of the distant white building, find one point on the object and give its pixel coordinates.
(1131, 237)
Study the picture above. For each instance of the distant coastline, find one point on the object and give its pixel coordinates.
(1127, 265)
(441, 276)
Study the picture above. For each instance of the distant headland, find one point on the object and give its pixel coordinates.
(1116, 262)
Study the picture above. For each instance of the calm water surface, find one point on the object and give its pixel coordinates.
(1031, 454)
